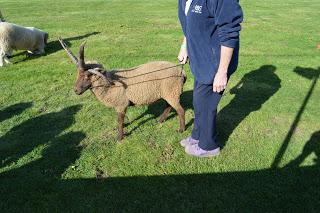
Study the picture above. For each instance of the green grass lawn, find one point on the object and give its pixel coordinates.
(58, 151)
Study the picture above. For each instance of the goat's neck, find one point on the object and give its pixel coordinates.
(99, 86)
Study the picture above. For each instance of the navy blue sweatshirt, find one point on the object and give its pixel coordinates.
(210, 24)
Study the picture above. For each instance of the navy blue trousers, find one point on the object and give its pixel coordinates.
(205, 103)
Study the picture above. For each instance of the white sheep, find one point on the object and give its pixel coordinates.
(16, 37)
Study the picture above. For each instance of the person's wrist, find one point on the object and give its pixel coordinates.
(222, 71)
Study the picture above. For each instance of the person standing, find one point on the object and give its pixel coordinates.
(211, 31)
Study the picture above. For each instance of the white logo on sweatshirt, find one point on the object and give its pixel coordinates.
(197, 9)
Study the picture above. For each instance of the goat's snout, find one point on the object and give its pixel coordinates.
(77, 91)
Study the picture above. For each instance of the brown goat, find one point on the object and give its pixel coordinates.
(141, 85)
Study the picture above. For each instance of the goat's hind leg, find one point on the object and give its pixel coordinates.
(121, 116)
(177, 106)
(165, 113)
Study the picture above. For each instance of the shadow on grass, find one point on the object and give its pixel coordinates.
(253, 90)
(43, 130)
(14, 110)
(39, 186)
(267, 190)
(311, 74)
(52, 47)
(313, 145)
(55, 46)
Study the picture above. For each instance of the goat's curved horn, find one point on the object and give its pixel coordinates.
(96, 72)
(81, 63)
(70, 54)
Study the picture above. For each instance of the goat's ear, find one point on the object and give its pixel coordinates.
(45, 38)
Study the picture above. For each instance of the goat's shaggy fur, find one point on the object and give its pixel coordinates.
(16, 37)
(142, 85)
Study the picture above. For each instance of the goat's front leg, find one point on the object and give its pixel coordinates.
(6, 60)
(2, 55)
(121, 116)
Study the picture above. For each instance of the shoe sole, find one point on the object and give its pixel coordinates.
(204, 156)
(184, 145)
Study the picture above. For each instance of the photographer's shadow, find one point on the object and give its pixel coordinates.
(313, 145)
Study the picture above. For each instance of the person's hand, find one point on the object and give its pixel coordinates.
(220, 81)
(183, 55)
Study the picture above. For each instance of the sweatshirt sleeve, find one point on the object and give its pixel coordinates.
(182, 16)
(228, 16)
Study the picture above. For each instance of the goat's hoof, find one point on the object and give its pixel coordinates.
(161, 121)
(181, 130)
(120, 138)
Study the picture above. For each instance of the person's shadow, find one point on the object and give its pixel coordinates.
(253, 90)
(42, 131)
(313, 145)
(13, 110)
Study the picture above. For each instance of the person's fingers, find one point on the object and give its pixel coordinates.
(185, 60)
(214, 88)
(217, 88)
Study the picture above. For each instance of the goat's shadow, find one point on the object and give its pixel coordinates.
(13, 110)
(52, 47)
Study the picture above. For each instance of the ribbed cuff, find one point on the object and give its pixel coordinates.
(232, 43)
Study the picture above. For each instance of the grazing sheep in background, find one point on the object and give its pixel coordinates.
(15, 37)
(141, 85)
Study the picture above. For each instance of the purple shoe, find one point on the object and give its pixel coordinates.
(188, 141)
(195, 150)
